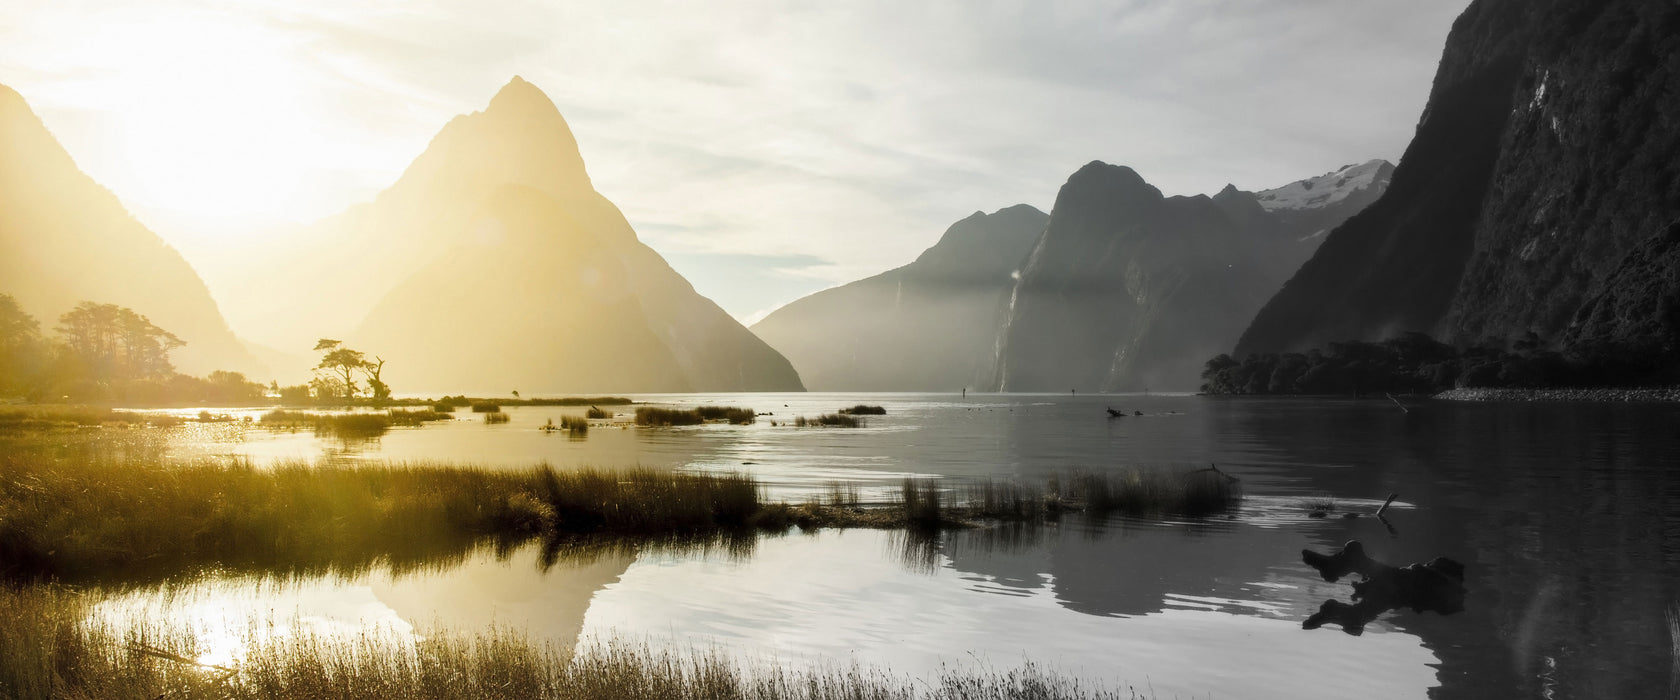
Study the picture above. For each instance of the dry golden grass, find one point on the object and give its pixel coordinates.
(49, 648)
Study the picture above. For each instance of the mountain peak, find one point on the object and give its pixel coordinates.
(519, 95)
(1099, 181)
(1328, 188)
(519, 139)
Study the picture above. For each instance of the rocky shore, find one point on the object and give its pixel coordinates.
(1603, 394)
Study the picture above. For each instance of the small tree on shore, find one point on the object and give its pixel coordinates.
(338, 368)
(380, 391)
(340, 363)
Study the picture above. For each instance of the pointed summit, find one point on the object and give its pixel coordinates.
(520, 138)
(520, 96)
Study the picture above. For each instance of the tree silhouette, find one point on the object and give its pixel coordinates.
(340, 364)
(22, 350)
(380, 391)
(338, 369)
(112, 342)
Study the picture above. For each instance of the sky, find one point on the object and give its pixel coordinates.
(767, 149)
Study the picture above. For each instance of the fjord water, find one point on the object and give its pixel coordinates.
(1564, 516)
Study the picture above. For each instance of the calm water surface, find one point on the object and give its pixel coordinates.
(1565, 516)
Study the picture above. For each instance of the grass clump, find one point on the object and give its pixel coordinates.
(344, 425)
(843, 494)
(98, 509)
(830, 420)
(576, 425)
(1142, 492)
(863, 410)
(496, 418)
(1008, 500)
(921, 501)
(54, 650)
(595, 413)
(486, 407)
(652, 416)
(417, 416)
(664, 417)
(734, 414)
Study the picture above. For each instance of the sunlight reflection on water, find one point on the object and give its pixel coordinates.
(1562, 515)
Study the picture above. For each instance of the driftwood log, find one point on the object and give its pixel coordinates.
(1435, 586)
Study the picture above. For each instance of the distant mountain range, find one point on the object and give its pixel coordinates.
(1119, 288)
(65, 239)
(1540, 194)
(931, 325)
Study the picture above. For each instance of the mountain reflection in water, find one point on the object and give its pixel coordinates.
(1562, 514)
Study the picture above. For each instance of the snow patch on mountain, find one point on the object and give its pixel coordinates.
(1326, 189)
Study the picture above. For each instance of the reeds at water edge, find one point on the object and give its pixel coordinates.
(829, 420)
(107, 511)
(653, 416)
(863, 410)
(52, 648)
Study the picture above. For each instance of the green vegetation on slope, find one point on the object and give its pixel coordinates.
(1413, 363)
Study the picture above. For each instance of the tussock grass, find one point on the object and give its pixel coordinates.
(54, 651)
(653, 416)
(345, 425)
(1132, 492)
(921, 501)
(864, 410)
(595, 413)
(496, 418)
(1152, 491)
(486, 407)
(577, 425)
(830, 420)
(102, 504)
(1008, 500)
(843, 494)
(734, 414)
(417, 416)
(111, 510)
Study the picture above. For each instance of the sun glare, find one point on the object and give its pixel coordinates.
(212, 114)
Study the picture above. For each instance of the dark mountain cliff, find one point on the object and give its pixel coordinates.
(1126, 287)
(65, 239)
(1539, 195)
(930, 325)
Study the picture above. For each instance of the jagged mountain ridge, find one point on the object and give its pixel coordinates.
(1539, 194)
(1126, 286)
(930, 325)
(65, 239)
(1118, 288)
(518, 274)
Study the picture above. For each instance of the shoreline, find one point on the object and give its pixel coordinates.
(1669, 394)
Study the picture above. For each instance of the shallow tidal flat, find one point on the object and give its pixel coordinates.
(451, 586)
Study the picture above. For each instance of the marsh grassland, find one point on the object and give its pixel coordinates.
(91, 498)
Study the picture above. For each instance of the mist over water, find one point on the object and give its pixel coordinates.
(1556, 510)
